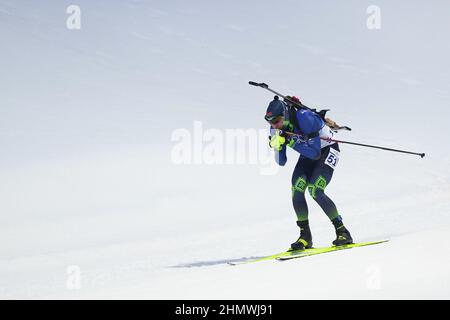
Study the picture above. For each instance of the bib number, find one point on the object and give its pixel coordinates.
(332, 158)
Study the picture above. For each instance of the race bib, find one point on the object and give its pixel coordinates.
(333, 158)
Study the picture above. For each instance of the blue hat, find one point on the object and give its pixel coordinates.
(275, 109)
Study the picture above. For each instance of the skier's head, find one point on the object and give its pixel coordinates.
(275, 113)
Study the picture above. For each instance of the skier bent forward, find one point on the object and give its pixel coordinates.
(315, 166)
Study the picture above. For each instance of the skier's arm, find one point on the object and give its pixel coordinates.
(311, 125)
(309, 148)
(280, 156)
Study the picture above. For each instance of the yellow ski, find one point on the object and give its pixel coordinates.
(314, 251)
(293, 254)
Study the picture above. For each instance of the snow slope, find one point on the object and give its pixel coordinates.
(87, 179)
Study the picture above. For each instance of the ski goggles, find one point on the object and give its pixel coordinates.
(273, 119)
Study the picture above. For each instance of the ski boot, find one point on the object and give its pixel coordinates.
(305, 239)
(342, 234)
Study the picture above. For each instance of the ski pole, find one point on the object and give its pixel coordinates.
(372, 146)
(299, 104)
(359, 144)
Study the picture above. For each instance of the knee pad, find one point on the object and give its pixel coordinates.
(319, 184)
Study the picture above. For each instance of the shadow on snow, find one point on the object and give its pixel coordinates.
(212, 262)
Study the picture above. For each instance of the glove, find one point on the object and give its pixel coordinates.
(277, 142)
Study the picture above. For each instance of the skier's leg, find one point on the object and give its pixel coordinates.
(317, 191)
(299, 185)
(319, 180)
(316, 188)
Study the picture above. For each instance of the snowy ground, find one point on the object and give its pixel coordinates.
(86, 178)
